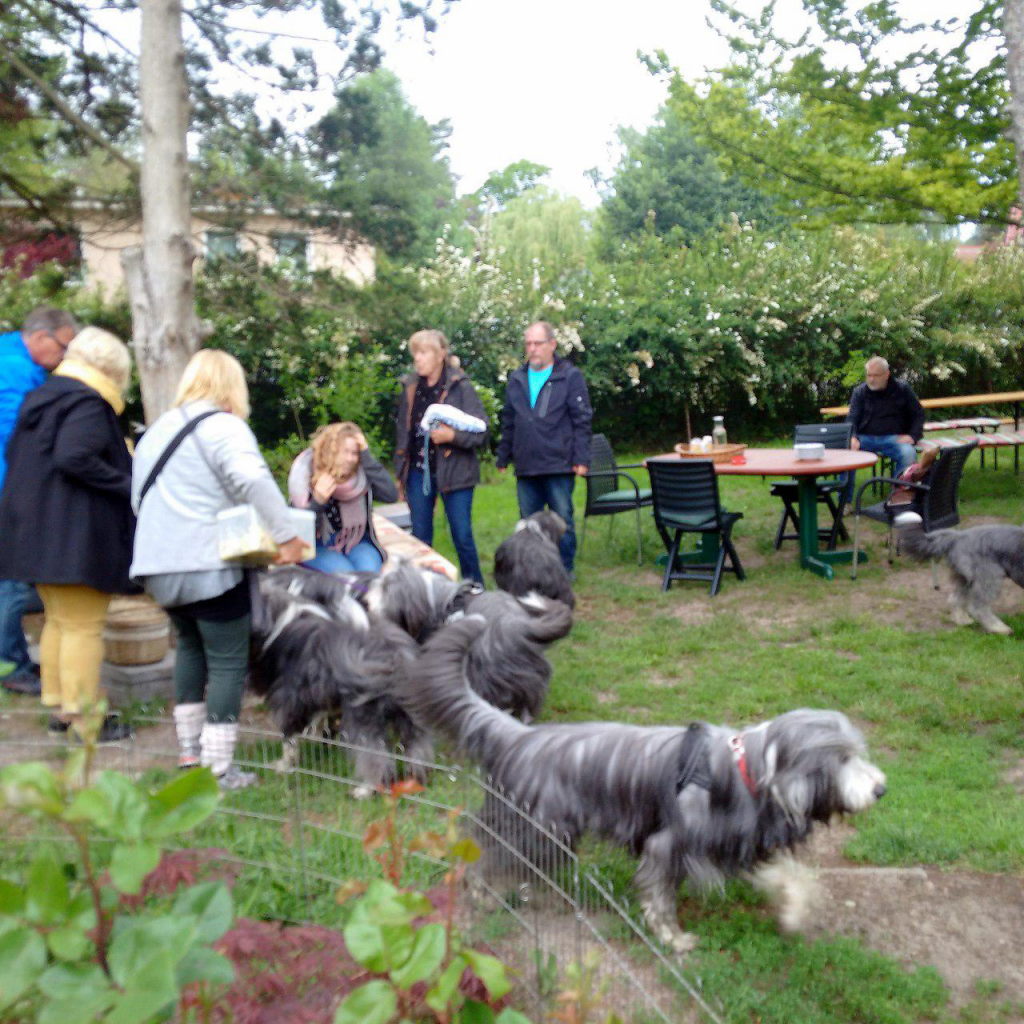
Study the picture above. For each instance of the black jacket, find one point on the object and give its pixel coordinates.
(893, 410)
(457, 465)
(65, 511)
(553, 436)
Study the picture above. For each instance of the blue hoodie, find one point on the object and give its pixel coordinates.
(18, 376)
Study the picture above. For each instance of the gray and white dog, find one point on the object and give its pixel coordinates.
(528, 561)
(415, 599)
(310, 661)
(979, 559)
(508, 665)
(699, 803)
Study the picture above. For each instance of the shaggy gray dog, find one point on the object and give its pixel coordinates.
(308, 662)
(979, 559)
(699, 803)
(528, 561)
(508, 666)
(414, 599)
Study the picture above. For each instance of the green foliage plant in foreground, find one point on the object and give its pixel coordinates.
(390, 933)
(384, 935)
(69, 950)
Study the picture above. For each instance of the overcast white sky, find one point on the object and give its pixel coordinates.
(548, 80)
(551, 80)
(542, 80)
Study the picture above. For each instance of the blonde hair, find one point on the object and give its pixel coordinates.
(217, 377)
(429, 339)
(102, 351)
(326, 444)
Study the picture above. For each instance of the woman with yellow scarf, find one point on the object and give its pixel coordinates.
(66, 522)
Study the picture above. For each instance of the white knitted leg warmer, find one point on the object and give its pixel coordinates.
(189, 720)
(217, 748)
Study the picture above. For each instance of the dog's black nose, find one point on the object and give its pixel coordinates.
(879, 791)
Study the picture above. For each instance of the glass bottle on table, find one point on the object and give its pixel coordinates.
(718, 435)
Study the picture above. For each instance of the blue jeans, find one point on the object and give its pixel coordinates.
(364, 557)
(886, 445)
(458, 508)
(554, 491)
(14, 599)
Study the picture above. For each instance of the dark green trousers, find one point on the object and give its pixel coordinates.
(211, 664)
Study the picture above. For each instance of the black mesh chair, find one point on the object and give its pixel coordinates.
(830, 489)
(686, 501)
(936, 498)
(610, 491)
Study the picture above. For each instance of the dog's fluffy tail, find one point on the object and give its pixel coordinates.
(922, 546)
(438, 695)
(550, 620)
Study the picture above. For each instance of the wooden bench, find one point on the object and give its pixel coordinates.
(1013, 398)
(985, 428)
(979, 424)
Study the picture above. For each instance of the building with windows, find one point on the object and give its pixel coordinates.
(272, 237)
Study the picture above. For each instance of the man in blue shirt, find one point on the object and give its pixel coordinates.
(545, 431)
(26, 356)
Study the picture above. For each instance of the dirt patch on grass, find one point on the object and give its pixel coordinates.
(969, 926)
(905, 592)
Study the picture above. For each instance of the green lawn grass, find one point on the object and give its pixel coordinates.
(940, 707)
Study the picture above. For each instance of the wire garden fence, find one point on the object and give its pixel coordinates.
(294, 839)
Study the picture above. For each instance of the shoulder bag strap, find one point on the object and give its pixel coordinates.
(170, 450)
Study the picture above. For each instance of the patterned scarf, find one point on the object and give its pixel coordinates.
(346, 512)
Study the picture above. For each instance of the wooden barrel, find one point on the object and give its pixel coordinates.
(138, 631)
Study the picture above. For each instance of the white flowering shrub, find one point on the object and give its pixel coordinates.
(763, 328)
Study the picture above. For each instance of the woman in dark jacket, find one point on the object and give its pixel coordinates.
(450, 463)
(66, 518)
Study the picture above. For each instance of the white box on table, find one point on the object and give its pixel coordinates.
(810, 450)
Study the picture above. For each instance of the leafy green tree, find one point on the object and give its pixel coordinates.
(61, 62)
(668, 181)
(865, 117)
(69, 82)
(243, 161)
(540, 236)
(383, 162)
(503, 186)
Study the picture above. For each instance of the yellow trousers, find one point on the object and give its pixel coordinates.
(71, 647)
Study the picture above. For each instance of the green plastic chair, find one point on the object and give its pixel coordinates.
(610, 491)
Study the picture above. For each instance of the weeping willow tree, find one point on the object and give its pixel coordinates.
(540, 236)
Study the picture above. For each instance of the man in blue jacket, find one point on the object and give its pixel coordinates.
(26, 356)
(545, 431)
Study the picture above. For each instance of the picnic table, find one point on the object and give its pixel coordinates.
(954, 402)
(986, 428)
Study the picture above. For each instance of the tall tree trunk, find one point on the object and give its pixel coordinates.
(1013, 32)
(165, 330)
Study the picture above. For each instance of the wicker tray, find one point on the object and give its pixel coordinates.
(718, 453)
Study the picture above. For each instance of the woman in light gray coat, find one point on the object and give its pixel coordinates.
(176, 552)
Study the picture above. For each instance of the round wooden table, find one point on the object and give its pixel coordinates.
(783, 462)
